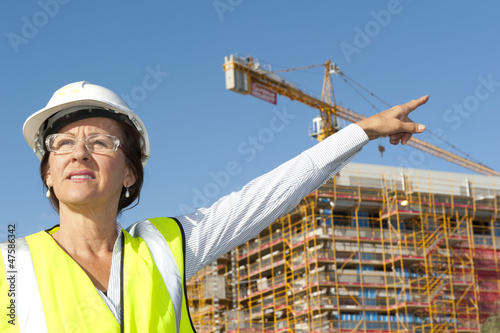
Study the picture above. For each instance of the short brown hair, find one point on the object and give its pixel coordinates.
(131, 143)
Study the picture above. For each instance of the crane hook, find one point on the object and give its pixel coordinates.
(381, 149)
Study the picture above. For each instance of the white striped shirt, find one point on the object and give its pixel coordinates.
(112, 297)
(240, 216)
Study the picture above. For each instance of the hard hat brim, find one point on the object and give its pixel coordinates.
(32, 125)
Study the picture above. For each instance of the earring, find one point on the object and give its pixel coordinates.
(48, 192)
(127, 193)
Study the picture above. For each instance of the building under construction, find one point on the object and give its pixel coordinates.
(375, 249)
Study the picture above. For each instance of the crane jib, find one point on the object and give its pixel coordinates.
(241, 72)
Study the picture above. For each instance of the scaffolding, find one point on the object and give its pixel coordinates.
(398, 250)
(210, 295)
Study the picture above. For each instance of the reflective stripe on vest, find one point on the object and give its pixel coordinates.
(27, 300)
(164, 260)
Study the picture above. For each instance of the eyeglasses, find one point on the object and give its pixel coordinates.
(96, 143)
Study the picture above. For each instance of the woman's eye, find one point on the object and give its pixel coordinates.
(65, 143)
(101, 143)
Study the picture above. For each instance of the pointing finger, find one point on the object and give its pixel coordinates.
(413, 104)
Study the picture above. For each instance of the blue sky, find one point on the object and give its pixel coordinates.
(397, 49)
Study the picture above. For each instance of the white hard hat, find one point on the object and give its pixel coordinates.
(77, 96)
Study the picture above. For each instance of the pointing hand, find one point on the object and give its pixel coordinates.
(394, 122)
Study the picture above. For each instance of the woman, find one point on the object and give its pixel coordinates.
(88, 274)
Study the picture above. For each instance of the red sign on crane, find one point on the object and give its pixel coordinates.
(263, 93)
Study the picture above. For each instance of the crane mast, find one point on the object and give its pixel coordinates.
(246, 77)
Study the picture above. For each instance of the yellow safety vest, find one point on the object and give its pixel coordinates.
(42, 289)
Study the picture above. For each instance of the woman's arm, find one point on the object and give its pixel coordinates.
(234, 219)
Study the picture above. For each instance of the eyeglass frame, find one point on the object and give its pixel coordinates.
(117, 142)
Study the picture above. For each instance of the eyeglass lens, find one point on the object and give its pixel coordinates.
(94, 143)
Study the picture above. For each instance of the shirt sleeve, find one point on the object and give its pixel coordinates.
(234, 219)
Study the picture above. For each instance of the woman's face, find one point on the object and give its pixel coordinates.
(82, 179)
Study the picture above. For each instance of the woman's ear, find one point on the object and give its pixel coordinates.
(129, 179)
(48, 180)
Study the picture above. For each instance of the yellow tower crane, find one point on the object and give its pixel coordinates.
(245, 76)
